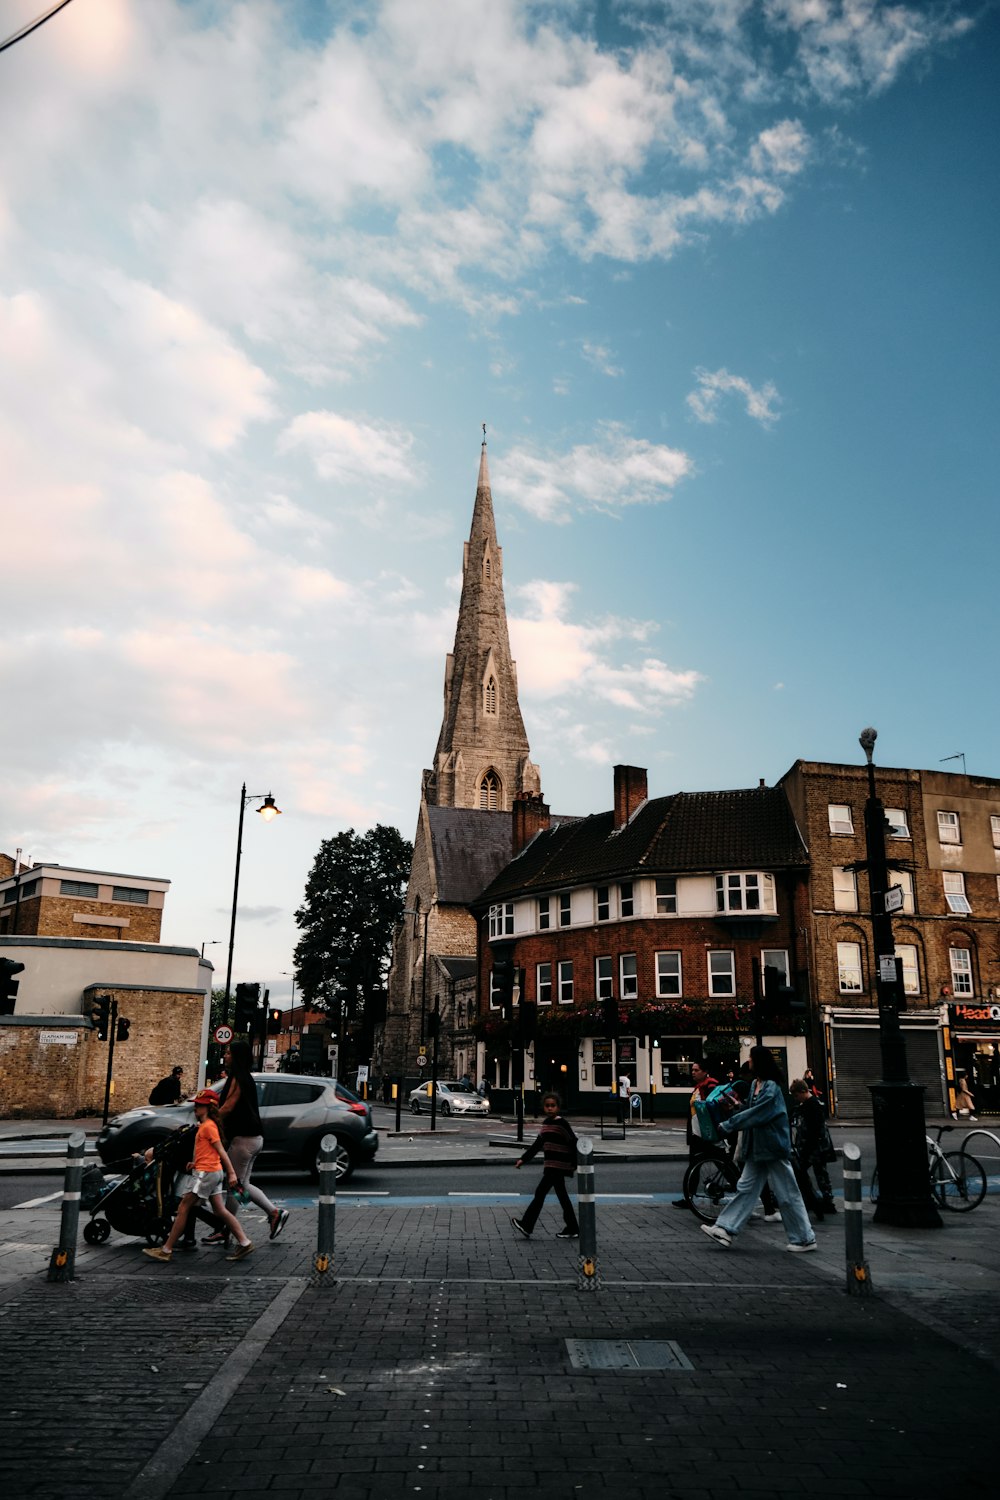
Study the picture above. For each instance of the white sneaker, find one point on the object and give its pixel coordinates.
(772, 1218)
(801, 1249)
(715, 1233)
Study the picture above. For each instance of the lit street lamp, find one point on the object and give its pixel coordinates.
(904, 1198)
(267, 811)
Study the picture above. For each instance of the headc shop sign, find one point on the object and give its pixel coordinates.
(962, 1017)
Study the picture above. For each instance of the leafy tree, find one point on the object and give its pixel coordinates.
(354, 898)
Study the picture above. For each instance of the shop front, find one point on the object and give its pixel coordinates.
(854, 1059)
(975, 1047)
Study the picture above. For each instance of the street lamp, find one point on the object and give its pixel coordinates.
(210, 943)
(267, 811)
(904, 1198)
(287, 974)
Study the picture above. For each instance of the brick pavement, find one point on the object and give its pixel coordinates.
(437, 1360)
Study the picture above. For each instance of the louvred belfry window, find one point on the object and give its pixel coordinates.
(489, 792)
(490, 695)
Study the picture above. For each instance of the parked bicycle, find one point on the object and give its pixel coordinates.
(958, 1181)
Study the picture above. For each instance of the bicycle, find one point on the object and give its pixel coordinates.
(958, 1181)
(709, 1184)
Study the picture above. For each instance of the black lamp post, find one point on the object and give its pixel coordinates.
(268, 810)
(904, 1198)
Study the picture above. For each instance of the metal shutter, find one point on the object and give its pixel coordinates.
(857, 1058)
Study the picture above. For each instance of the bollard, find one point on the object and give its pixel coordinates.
(588, 1277)
(62, 1262)
(859, 1281)
(327, 1220)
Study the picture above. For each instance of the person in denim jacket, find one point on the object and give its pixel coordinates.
(767, 1152)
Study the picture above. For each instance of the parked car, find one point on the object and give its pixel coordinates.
(452, 1099)
(295, 1113)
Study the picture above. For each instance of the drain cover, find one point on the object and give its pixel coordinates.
(627, 1354)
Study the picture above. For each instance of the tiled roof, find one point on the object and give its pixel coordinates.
(470, 848)
(746, 829)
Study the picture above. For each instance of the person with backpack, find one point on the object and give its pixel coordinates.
(767, 1154)
(697, 1146)
(558, 1143)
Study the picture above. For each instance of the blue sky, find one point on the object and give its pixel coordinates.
(720, 278)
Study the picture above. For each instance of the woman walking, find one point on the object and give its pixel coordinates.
(240, 1118)
(766, 1159)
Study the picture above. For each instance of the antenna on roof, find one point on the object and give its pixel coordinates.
(960, 756)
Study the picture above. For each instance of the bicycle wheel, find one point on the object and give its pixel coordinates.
(958, 1181)
(873, 1190)
(709, 1185)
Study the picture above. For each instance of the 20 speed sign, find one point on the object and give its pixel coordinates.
(223, 1034)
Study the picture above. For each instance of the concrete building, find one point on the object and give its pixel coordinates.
(81, 933)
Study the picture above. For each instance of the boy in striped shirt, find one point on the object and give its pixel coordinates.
(558, 1143)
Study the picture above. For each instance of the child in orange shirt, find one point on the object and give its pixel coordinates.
(206, 1187)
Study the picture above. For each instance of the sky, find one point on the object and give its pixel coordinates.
(720, 278)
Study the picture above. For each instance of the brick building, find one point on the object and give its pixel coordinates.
(81, 933)
(463, 837)
(662, 906)
(943, 845)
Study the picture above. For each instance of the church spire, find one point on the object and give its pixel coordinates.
(482, 758)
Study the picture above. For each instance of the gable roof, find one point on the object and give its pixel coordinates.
(750, 828)
(469, 848)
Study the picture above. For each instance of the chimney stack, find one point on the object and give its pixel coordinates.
(631, 790)
(531, 815)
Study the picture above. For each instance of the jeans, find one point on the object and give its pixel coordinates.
(557, 1182)
(782, 1179)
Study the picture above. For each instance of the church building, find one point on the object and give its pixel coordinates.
(464, 834)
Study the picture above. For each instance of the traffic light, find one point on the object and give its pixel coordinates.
(8, 985)
(503, 984)
(121, 1030)
(273, 1021)
(245, 1012)
(609, 1011)
(529, 1020)
(434, 1024)
(100, 1014)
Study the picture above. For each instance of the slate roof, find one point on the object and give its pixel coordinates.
(458, 968)
(745, 829)
(469, 849)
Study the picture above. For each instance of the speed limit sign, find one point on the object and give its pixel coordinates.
(422, 1061)
(223, 1034)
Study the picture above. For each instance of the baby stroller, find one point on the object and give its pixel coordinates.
(139, 1203)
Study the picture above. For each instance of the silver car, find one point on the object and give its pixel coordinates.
(295, 1114)
(452, 1099)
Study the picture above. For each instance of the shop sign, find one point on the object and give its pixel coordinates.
(966, 1015)
(626, 1050)
(602, 1050)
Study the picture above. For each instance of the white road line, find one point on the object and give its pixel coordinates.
(483, 1195)
(37, 1202)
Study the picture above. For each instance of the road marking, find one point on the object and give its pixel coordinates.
(37, 1202)
(483, 1195)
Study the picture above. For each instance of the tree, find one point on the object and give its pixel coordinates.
(354, 898)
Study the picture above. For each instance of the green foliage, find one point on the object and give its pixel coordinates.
(354, 898)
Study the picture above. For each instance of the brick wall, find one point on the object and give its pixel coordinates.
(42, 1077)
(166, 1030)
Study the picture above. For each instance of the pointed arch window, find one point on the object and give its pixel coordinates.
(487, 567)
(489, 792)
(490, 695)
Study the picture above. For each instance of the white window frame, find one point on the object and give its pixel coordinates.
(502, 919)
(850, 974)
(628, 976)
(776, 958)
(626, 899)
(544, 913)
(904, 879)
(666, 896)
(907, 953)
(604, 977)
(995, 829)
(840, 818)
(565, 909)
(961, 970)
(721, 977)
(494, 991)
(845, 889)
(949, 826)
(954, 892)
(602, 903)
(669, 972)
(899, 827)
(565, 981)
(543, 983)
(739, 891)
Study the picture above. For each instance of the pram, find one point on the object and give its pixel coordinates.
(139, 1203)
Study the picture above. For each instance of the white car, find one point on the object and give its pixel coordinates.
(452, 1099)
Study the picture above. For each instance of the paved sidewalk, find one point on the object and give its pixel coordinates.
(436, 1362)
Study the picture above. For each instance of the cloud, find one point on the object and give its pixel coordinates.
(617, 472)
(712, 385)
(599, 356)
(347, 451)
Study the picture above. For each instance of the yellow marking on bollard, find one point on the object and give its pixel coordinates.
(321, 1263)
(589, 1268)
(62, 1256)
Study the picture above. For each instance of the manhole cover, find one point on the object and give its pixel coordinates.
(627, 1354)
(163, 1291)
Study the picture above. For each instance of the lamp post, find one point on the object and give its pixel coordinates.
(905, 1199)
(268, 811)
(210, 943)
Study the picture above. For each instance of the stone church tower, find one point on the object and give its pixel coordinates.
(464, 831)
(481, 759)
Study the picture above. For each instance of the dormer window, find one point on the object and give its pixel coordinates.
(490, 695)
(489, 792)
